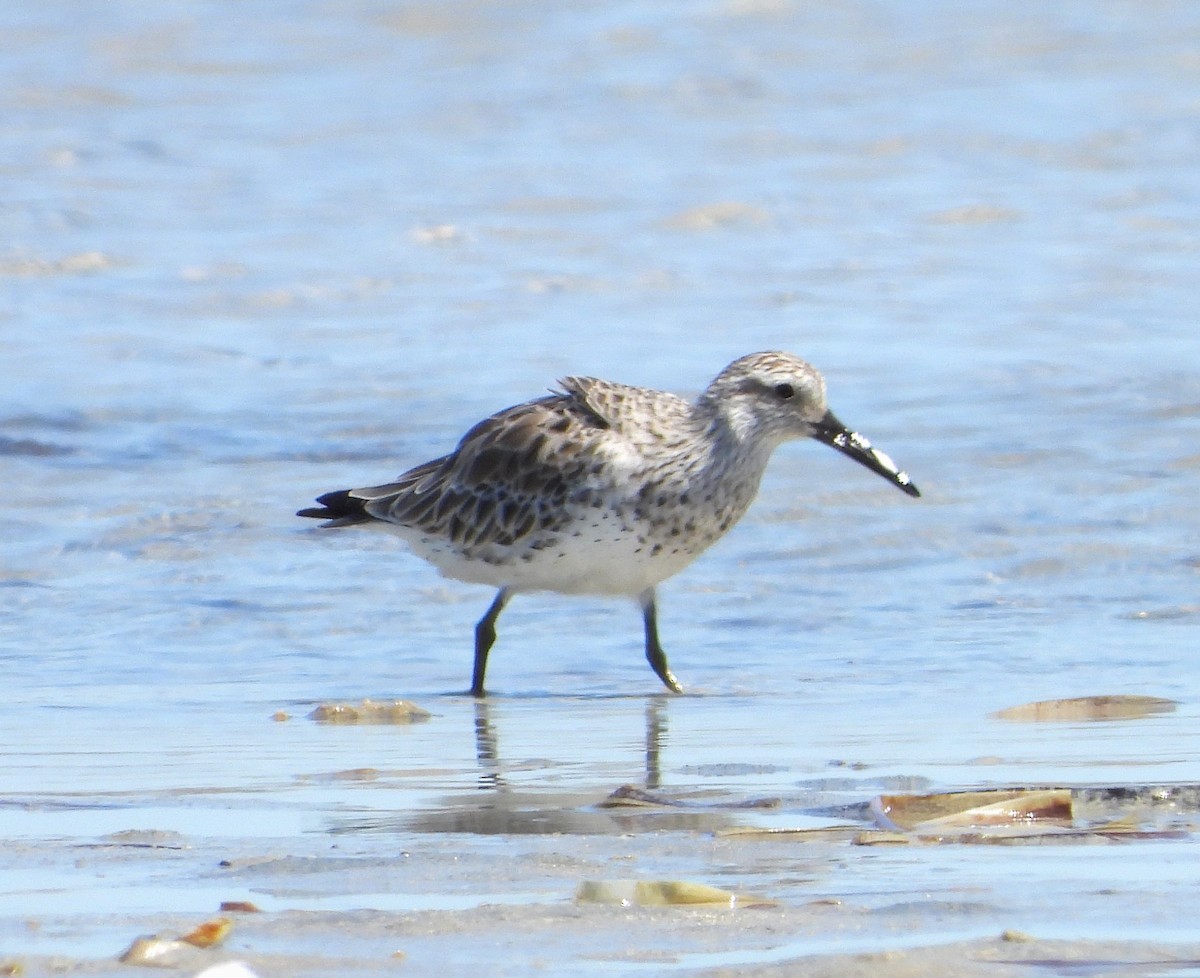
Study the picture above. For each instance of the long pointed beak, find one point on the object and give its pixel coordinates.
(832, 432)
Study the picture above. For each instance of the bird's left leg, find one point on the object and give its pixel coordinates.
(485, 635)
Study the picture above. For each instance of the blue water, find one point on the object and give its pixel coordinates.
(253, 252)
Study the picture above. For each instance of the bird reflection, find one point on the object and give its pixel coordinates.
(500, 806)
(656, 735)
(487, 750)
(500, 803)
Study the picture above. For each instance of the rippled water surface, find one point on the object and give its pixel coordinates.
(251, 252)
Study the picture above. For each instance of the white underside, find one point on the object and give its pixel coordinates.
(596, 561)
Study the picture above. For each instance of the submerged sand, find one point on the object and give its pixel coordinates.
(522, 867)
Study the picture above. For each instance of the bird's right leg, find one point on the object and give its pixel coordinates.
(485, 636)
(654, 653)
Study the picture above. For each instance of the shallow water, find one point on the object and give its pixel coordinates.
(253, 254)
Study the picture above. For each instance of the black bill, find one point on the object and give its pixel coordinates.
(835, 434)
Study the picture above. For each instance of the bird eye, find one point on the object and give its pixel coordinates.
(785, 390)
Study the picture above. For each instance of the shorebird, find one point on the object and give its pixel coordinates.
(601, 488)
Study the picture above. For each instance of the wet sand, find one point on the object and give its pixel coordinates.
(427, 870)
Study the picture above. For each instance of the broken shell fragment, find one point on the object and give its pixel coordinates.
(631, 796)
(156, 952)
(1086, 708)
(662, 893)
(210, 933)
(963, 809)
(824, 833)
(369, 711)
(876, 837)
(239, 906)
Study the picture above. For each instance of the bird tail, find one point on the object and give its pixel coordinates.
(339, 508)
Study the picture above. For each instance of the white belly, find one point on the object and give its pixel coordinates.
(598, 557)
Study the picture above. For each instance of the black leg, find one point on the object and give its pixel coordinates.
(485, 635)
(654, 653)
